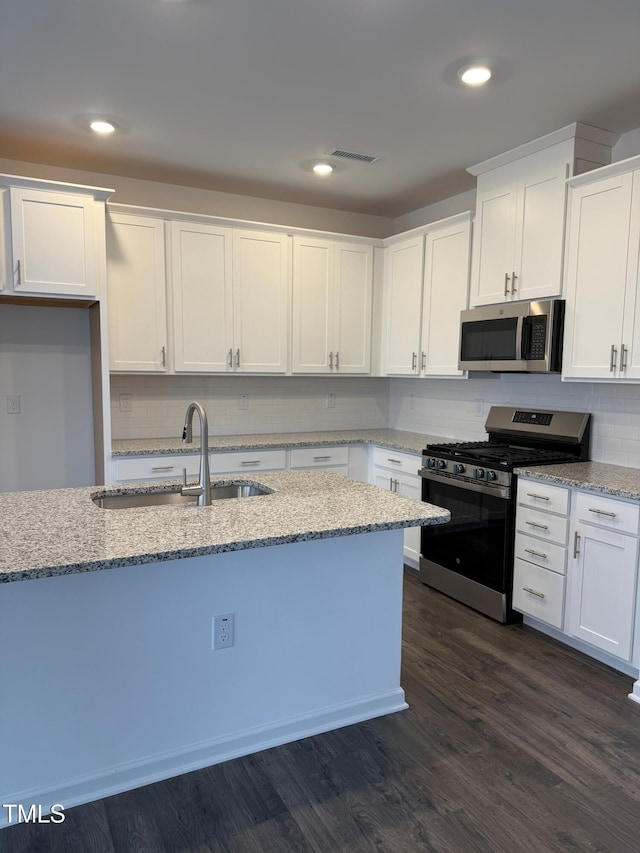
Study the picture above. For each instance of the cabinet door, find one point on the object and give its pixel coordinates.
(446, 294)
(411, 487)
(540, 218)
(493, 245)
(403, 305)
(598, 243)
(201, 297)
(313, 275)
(630, 344)
(261, 292)
(136, 293)
(53, 243)
(603, 590)
(352, 308)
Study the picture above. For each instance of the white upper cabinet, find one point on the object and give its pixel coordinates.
(602, 324)
(332, 304)
(520, 214)
(403, 269)
(201, 291)
(426, 288)
(136, 293)
(261, 295)
(53, 239)
(519, 238)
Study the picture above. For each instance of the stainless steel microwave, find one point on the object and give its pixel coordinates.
(518, 337)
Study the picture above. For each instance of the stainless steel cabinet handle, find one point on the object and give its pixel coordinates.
(251, 462)
(604, 512)
(535, 553)
(535, 524)
(414, 360)
(237, 358)
(396, 461)
(163, 468)
(337, 360)
(164, 356)
(576, 543)
(533, 592)
(540, 497)
(320, 458)
(424, 361)
(391, 484)
(230, 358)
(513, 282)
(506, 283)
(623, 360)
(19, 274)
(330, 361)
(614, 358)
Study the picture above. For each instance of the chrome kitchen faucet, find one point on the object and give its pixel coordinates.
(203, 488)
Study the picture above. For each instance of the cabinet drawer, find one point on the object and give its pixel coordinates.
(607, 512)
(543, 554)
(543, 496)
(248, 460)
(319, 457)
(551, 528)
(156, 467)
(395, 460)
(538, 592)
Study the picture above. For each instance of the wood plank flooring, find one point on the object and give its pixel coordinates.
(512, 743)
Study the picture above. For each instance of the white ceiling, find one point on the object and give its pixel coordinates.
(241, 95)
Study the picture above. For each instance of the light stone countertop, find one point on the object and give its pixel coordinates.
(615, 480)
(410, 442)
(61, 531)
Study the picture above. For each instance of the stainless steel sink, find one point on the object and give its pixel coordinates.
(176, 498)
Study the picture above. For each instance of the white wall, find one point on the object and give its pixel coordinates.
(276, 404)
(452, 408)
(45, 357)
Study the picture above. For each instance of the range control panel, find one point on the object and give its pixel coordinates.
(535, 418)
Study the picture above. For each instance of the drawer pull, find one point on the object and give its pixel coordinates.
(320, 458)
(535, 524)
(533, 592)
(163, 468)
(535, 553)
(395, 461)
(604, 512)
(540, 497)
(251, 462)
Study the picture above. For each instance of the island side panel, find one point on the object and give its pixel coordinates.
(109, 680)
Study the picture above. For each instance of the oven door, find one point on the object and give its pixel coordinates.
(478, 541)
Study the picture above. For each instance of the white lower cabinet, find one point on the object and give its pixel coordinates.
(577, 570)
(247, 461)
(328, 458)
(155, 467)
(394, 470)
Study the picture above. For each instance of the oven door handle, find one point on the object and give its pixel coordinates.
(484, 488)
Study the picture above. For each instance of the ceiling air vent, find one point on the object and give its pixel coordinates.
(352, 155)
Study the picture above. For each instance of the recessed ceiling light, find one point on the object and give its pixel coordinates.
(323, 168)
(475, 75)
(102, 126)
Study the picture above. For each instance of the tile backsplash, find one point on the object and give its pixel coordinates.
(274, 404)
(449, 407)
(458, 408)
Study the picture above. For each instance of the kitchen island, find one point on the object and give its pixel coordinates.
(109, 679)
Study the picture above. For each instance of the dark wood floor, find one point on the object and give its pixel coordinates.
(512, 743)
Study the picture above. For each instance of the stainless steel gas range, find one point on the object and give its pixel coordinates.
(471, 558)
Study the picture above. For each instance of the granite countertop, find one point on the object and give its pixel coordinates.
(615, 480)
(61, 531)
(410, 442)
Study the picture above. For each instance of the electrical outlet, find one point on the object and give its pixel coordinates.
(222, 631)
(412, 404)
(13, 404)
(243, 402)
(331, 401)
(479, 408)
(126, 403)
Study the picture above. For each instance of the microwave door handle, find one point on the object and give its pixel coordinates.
(519, 338)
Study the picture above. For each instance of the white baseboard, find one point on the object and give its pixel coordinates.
(115, 780)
